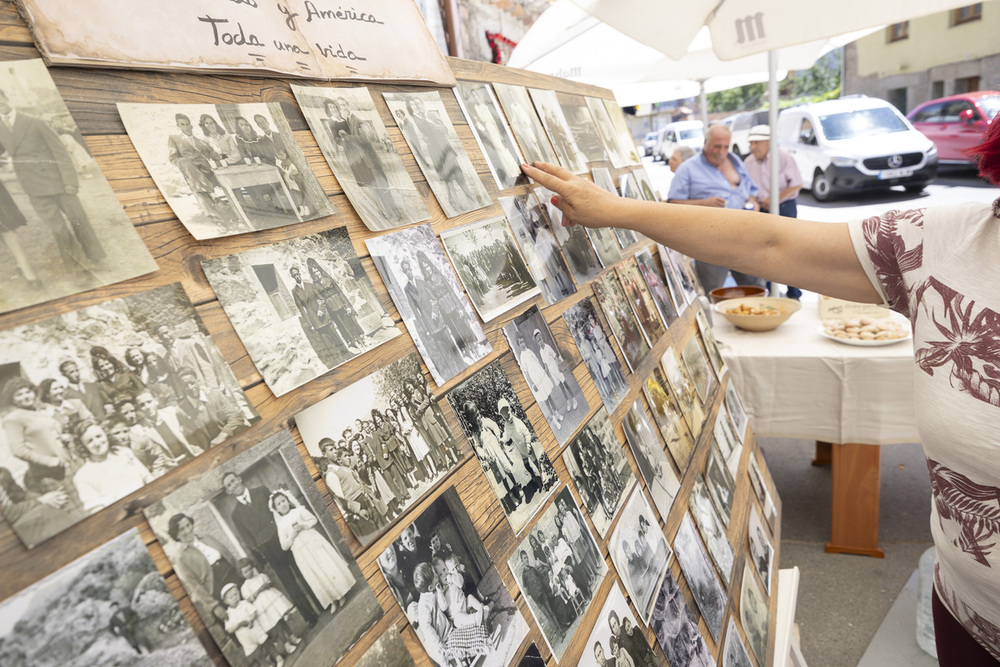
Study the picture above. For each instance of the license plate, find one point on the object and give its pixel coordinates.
(887, 174)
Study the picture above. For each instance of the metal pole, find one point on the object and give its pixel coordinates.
(772, 121)
(703, 103)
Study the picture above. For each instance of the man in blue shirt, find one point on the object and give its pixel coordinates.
(716, 178)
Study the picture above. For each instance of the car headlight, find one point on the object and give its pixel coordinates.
(931, 152)
(843, 161)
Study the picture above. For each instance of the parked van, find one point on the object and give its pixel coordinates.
(856, 143)
(739, 128)
(682, 133)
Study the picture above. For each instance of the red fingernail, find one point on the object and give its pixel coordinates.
(553, 200)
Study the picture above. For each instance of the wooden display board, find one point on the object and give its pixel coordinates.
(91, 96)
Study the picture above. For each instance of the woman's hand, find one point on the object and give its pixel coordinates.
(580, 201)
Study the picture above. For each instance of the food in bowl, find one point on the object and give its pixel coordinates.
(865, 328)
(756, 309)
(762, 313)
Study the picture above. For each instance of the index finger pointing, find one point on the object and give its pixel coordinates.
(549, 175)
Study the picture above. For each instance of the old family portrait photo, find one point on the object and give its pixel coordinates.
(516, 466)
(617, 639)
(380, 444)
(62, 230)
(451, 593)
(596, 351)
(539, 245)
(479, 105)
(226, 168)
(108, 607)
(639, 550)
(263, 562)
(428, 297)
(356, 145)
(97, 403)
(301, 307)
(559, 568)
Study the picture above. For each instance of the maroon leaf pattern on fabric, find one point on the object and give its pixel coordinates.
(984, 632)
(890, 256)
(974, 507)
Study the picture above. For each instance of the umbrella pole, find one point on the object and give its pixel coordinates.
(703, 103)
(772, 121)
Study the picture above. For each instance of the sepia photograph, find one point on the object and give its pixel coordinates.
(655, 468)
(548, 373)
(524, 123)
(424, 122)
(430, 301)
(263, 562)
(388, 651)
(451, 593)
(226, 169)
(616, 639)
(623, 137)
(680, 266)
(539, 246)
(597, 354)
(630, 187)
(300, 307)
(639, 550)
(711, 345)
(356, 145)
(491, 267)
(684, 391)
(618, 313)
(97, 403)
(754, 615)
(582, 127)
(63, 230)
(513, 460)
(727, 442)
(720, 483)
(761, 551)
(645, 185)
(602, 475)
(676, 629)
(712, 530)
(559, 569)
(734, 407)
(606, 245)
(655, 282)
(108, 607)
(640, 299)
(709, 594)
(380, 445)
(574, 242)
(697, 366)
(622, 153)
(668, 418)
(554, 121)
(673, 281)
(735, 653)
(481, 110)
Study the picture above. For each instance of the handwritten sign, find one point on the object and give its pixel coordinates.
(321, 39)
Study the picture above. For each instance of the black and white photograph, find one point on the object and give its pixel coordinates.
(621, 319)
(640, 299)
(559, 569)
(226, 169)
(539, 246)
(262, 561)
(668, 418)
(639, 550)
(582, 127)
(761, 491)
(654, 281)
(98, 402)
(727, 442)
(698, 368)
(491, 267)
(734, 407)
(712, 529)
(754, 615)
(349, 130)
(600, 471)
(616, 639)
(623, 136)
(388, 651)
(441, 575)
(673, 281)
(492, 134)
(660, 477)
(680, 268)
(602, 178)
(108, 607)
(427, 129)
(524, 123)
(735, 653)
(630, 187)
(684, 391)
(531, 657)
(606, 245)
(711, 345)
(547, 372)
(507, 446)
(720, 483)
(62, 229)
(574, 242)
(597, 354)
(709, 594)
(380, 444)
(621, 150)
(554, 121)
(430, 301)
(645, 185)
(761, 551)
(300, 307)
(676, 629)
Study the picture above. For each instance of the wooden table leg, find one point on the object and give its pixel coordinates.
(854, 516)
(824, 453)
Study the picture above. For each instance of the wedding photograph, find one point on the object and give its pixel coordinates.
(639, 550)
(621, 319)
(684, 391)
(524, 123)
(654, 466)
(597, 354)
(554, 121)
(640, 299)
(99, 402)
(657, 289)
(430, 301)
(380, 445)
(482, 111)
(668, 418)
(582, 127)
(301, 307)
(491, 267)
(424, 122)
(600, 472)
(761, 552)
(708, 592)
(676, 629)
(617, 638)
(263, 562)
(226, 169)
(712, 529)
(574, 242)
(64, 231)
(734, 654)
(349, 130)
(754, 615)
(698, 368)
(539, 246)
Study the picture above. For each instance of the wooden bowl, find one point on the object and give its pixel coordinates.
(720, 294)
(775, 311)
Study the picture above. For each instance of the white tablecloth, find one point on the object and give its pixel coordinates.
(797, 384)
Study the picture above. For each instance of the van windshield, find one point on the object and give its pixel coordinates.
(861, 123)
(692, 134)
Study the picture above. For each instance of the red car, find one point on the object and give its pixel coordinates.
(957, 122)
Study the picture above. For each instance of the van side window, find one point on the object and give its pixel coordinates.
(932, 113)
(806, 133)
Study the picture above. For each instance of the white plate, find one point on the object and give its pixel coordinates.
(896, 317)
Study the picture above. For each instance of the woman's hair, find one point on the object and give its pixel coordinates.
(79, 429)
(136, 348)
(14, 385)
(987, 154)
(99, 352)
(423, 575)
(45, 390)
(174, 525)
(205, 120)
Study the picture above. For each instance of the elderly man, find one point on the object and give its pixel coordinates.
(716, 178)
